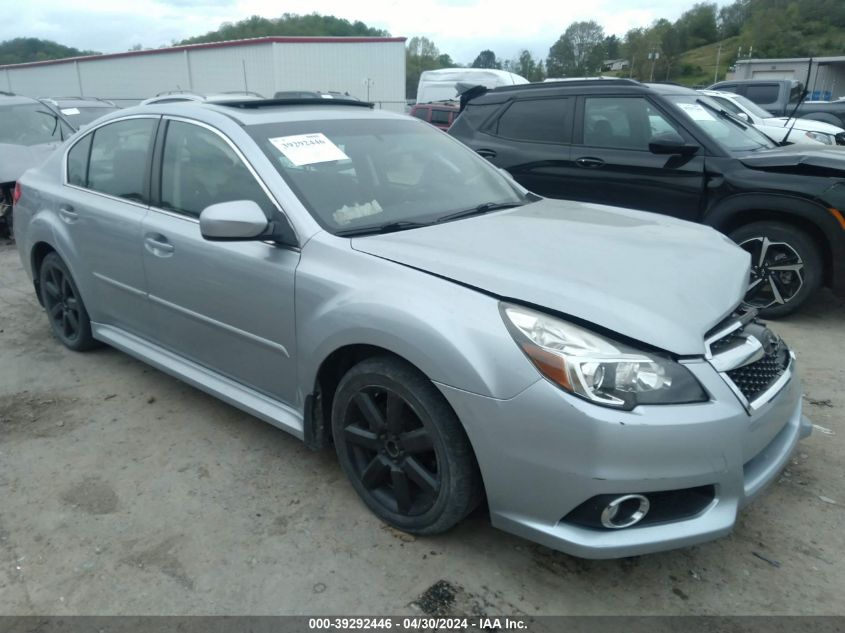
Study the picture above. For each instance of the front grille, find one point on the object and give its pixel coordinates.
(754, 379)
(750, 357)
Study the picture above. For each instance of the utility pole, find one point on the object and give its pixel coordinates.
(718, 57)
(653, 56)
(368, 82)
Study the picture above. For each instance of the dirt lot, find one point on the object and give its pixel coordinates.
(124, 491)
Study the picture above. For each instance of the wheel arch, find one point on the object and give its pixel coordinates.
(39, 251)
(803, 214)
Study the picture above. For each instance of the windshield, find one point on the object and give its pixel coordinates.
(359, 173)
(733, 135)
(752, 107)
(31, 124)
(85, 115)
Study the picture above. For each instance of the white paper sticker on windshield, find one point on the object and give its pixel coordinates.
(307, 149)
(696, 112)
(70, 111)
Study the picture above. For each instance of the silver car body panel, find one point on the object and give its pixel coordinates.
(252, 323)
(555, 254)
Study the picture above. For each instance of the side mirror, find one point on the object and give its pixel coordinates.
(239, 220)
(744, 116)
(670, 143)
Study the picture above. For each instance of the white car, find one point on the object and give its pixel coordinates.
(804, 132)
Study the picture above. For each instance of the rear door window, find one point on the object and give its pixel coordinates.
(762, 93)
(120, 154)
(543, 120)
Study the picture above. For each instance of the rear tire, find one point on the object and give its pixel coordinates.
(786, 266)
(65, 310)
(403, 448)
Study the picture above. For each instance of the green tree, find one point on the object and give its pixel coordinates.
(30, 49)
(697, 26)
(486, 59)
(421, 54)
(312, 24)
(579, 51)
(527, 66)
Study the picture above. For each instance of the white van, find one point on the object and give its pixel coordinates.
(439, 85)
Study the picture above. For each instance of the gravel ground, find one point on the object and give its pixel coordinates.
(125, 491)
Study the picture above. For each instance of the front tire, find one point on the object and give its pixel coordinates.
(403, 448)
(786, 266)
(65, 310)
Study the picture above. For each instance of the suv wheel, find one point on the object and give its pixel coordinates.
(403, 448)
(63, 303)
(786, 267)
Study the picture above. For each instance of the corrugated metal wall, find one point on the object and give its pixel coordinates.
(345, 68)
(266, 67)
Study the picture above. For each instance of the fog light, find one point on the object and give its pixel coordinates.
(624, 511)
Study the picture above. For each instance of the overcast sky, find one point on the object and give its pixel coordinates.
(458, 27)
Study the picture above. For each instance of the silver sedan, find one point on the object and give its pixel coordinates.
(359, 279)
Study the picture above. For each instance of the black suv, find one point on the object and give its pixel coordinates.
(671, 150)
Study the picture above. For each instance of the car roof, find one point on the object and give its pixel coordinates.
(80, 102)
(259, 112)
(13, 99)
(671, 89)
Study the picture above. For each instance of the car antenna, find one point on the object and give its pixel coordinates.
(804, 93)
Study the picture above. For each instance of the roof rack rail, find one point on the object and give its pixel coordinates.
(243, 92)
(254, 104)
(570, 82)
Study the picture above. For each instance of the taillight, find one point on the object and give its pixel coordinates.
(17, 195)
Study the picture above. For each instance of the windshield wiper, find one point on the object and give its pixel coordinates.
(389, 227)
(481, 208)
(725, 114)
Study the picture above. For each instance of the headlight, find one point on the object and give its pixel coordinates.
(820, 137)
(596, 368)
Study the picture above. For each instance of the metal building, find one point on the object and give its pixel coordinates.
(825, 81)
(369, 68)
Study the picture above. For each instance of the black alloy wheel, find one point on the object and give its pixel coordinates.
(63, 304)
(786, 267)
(391, 451)
(403, 448)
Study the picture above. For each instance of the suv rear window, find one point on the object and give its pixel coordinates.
(544, 120)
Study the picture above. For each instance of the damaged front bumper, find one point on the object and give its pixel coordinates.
(545, 454)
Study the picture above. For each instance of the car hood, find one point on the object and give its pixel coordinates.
(651, 278)
(823, 160)
(16, 159)
(804, 124)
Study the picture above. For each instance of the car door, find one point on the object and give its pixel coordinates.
(228, 306)
(105, 199)
(530, 139)
(611, 162)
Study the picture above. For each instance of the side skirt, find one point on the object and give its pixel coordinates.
(226, 389)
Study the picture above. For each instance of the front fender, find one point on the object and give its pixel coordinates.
(453, 334)
(728, 213)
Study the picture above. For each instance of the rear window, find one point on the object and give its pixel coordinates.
(420, 113)
(544, 120)
(440, 116)
(31, 124)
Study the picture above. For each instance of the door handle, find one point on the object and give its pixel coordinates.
(589, 162)
(486, 153)
(67, 213)
(158, 245)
